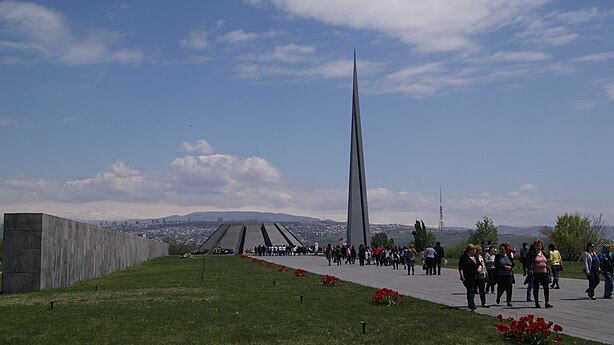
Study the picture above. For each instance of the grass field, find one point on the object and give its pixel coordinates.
(164, 301)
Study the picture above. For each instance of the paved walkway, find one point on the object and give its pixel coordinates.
(578, 315)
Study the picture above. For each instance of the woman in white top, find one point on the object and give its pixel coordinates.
(482, 275)
(591, 269)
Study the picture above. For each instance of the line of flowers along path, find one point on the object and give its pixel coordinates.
(578, 315)
(381, 296)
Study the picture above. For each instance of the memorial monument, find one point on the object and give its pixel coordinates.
(242, 238)
(358, 212)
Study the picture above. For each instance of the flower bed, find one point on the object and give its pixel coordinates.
(330, 281)
(282, 268)
(529, 330)
(387, 296)
(299, 272)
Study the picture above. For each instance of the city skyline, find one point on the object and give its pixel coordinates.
(134, 109)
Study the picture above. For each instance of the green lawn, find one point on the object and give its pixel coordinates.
(164, 301)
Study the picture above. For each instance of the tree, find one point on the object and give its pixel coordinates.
(485, 230)
(422, 237)
(379, 239)
(179, 248)
(573, 231)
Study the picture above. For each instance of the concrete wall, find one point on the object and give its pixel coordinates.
(44, 252)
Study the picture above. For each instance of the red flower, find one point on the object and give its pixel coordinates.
(300, 273)
(282, 268)
(528, 330)
(330, 281)
(387, 296)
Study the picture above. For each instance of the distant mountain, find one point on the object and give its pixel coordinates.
(236, 216)
(531, 231)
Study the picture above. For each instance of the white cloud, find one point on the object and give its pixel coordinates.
(518, 56)
(597, 57)
(576, 17)
(117, 182)
(558, 28)
(5, 121)
(341, 68)
(421, 81)
(514, 194)
(217, 173)
(609, 89)
(528, 186)
(69, 119)
(290, 53)
(240, 36)
(201, 146)
(36, 32)
(197, 39)
(430, 26)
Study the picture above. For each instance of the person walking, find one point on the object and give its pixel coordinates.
(430, 253)
(482, 276)
(537, 263)
(395, 259)
(591, 269)
(439, 255)
(404, 257)
(489, 261)
(361, 255)
(606, 259)
(411, 260)
(329, 253)
(504, 264)
(468, 270)
(376, 251)
(528, 281)
(524, 251)
(339, 254)
(556, 264)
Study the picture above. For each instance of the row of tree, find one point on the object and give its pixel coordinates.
(570, 234)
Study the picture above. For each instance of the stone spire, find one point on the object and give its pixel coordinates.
(358, 212)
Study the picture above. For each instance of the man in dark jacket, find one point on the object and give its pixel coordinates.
(439, 254)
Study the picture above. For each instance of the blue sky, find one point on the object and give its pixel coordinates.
(126, 109)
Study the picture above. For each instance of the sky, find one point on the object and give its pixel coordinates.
(140, 109)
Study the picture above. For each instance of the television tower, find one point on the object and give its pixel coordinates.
(441, 227)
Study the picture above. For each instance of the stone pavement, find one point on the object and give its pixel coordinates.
(573, 310)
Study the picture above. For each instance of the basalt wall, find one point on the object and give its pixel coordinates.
(42, 251)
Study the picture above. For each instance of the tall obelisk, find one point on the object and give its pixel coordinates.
(358, 212)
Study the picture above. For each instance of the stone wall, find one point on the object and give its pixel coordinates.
(44, 252)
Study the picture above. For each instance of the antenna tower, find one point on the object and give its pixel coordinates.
(441, 226)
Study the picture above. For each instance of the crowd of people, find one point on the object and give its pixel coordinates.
(480, 270)
(280, 250)
(387, 255)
